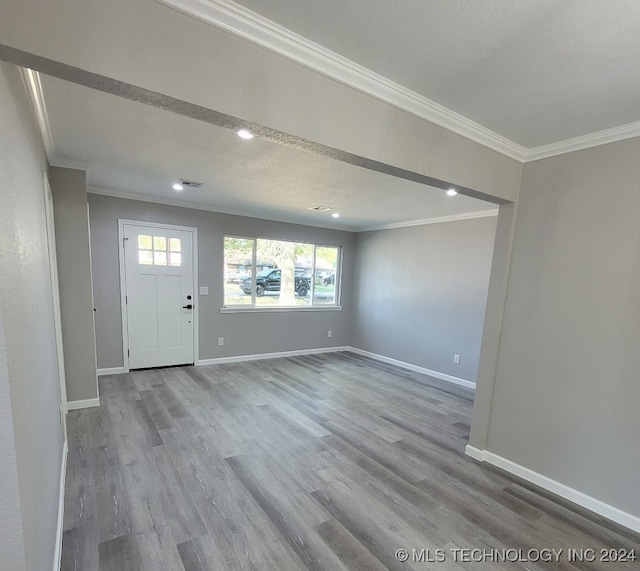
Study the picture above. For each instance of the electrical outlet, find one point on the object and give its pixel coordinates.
(220, 340)
(329, 333)
(456, 359)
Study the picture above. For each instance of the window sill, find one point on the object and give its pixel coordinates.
(285, 309)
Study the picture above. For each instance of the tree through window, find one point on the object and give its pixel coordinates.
(279, 273)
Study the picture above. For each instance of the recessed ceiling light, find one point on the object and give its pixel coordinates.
(452, 192)
(336, 215)
(245, 134)
(178, 186)
(320, 208)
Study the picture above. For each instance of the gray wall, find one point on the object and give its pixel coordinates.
(244, 334)
(420, 293)
(566, 397)
(32, 451)
(69, 187)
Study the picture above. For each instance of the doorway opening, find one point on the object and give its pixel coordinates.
(158, 281)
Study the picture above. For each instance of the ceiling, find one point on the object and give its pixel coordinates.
(136, 150)
(535, 72)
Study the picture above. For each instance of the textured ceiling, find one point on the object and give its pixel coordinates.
(536, 72)
(138, 150)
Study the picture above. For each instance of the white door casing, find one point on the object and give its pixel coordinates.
(55, 297)
(158, 286)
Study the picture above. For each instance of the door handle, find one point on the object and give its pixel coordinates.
(187, 306)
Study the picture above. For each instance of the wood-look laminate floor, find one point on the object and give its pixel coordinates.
(324, 462)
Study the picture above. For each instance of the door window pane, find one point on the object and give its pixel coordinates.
(152, 250)
(159, 258)
(145, 257)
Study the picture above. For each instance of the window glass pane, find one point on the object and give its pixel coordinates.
(160, 258)
(238, 257)
(159, 243)
(303, 273)
(175, 244)
(326, 275)
(144, 242)
(175, 259)
(145, 257)
(273, 259)
(287, 274)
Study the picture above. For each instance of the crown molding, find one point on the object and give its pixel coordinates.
(434, 220)
(67, 163)
(596, 139)
(240, 21)
(212, 208)
(33, 85)
(31, 80)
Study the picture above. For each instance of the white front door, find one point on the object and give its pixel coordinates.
(159, 295)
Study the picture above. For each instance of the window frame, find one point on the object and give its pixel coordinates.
(252, 307)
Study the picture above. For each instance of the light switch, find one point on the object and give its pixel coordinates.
(204, 290)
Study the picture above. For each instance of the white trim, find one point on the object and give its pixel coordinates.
(123, 304)
(246, 24)
(475, 453)
(249, 25)
(55, 297)
(33, 85)
(415, 368)
(86, 403)
(273, 309)
(402, 364)
(261, 356)
(159, 200)
(214, 208)
(57, 556)
(242, 22)
(123, 283)
(68, 163)
(610, 512)
(596, 139)
(157, 225)
(111, 371)
(434, 220)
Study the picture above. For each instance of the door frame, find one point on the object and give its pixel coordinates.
(55, 298)
(123, 284)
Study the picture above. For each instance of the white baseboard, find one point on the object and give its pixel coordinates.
(260, 356)
(475, 453)
(57, 557)
(111, 371)
(414, 368)
(87, 403)
(610, 512)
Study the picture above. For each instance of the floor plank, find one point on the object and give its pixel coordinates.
(322, 462)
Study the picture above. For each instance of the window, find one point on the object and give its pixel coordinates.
(159, 251)
(262, 273)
